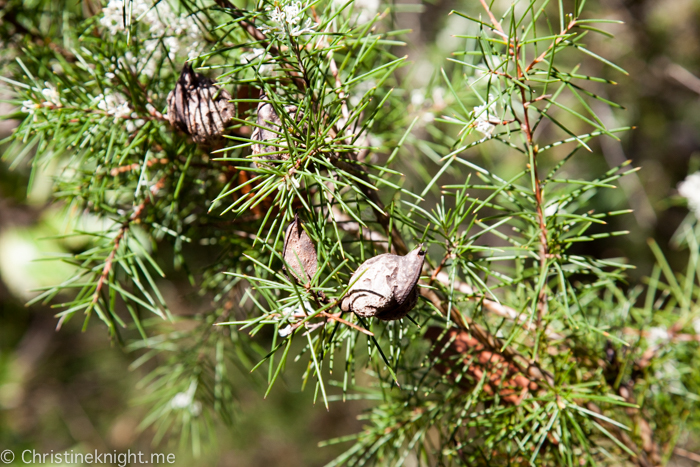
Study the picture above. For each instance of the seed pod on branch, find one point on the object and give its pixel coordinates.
(299, 252)
(456, 349)
(385, 286)
(199, 107)
(270, 129)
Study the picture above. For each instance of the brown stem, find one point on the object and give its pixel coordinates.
(556, 42)
(135, 215)
(537, 188)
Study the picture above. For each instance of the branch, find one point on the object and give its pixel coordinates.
(466, 324)
(135, 214)
(259, 36)
(349, 225)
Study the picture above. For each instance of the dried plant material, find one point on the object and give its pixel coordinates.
(299, 252)
(270, 129)
(458, 348)
(199, 107)
(386, 286)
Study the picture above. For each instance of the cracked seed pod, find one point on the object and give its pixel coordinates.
(269, 129)
(199, 107)
(387, 287)
(299, 252)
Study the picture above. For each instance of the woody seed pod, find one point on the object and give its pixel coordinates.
(269, 129)
(299, 252)
(199, 107)
(385, 286)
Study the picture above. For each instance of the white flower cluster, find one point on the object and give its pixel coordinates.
(287, 19)
(185, 401)
(51, 96)
(690, 190)
(115, 104)
(485, 121)
(177, 32)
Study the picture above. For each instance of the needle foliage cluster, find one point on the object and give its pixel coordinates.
(522, 350)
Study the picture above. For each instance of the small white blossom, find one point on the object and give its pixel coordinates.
(417, 97)
(115, 105)
(655, 335)
(485, 121)
(287, 18)
(134, 123)
(551, 209)
(690, 190)
(29, 106)
(51, 96)
(285, 331)
(178, 33)
(185, 400)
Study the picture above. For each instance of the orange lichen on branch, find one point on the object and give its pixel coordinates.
(459, 352)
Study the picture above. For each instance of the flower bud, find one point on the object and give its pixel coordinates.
(385, 286)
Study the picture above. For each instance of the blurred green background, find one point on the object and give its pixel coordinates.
(74, 390)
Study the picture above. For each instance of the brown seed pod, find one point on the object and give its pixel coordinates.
(299, 252)
(269, 129)
(199, 107)
(385, 286)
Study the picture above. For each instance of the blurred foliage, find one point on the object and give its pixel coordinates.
(72, 390)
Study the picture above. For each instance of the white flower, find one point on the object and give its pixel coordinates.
(288, 17)
(51, 96)
(115, 105)
(655, 335)
(29, 106)
(177, 32)
(185, 400)
(134, 123)
(483, 123)
(690, 190)
(285, 331)
(417, 97)
(551, 209)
